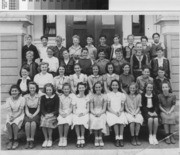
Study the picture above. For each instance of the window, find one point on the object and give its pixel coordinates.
(49, 25)
(12, 5)
(138, 28)
(108, 20)
(80, 19)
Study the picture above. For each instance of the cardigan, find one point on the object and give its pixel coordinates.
(27, 82)
(86, 66)
(69, 67)
(58, 53)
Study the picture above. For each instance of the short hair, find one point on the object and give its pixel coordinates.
(126, 63)
(145, 67)
(98, 82)
(44, 37)
(90, 36)
(77, 64)
(84, 49)
(51, 48)
(116, 36)
(144, 37)
(66, 84)
(76, 36)
(161, 68)
(35, 84)
(101, 50)
(130, 35)
(25, 67)
(44, 63)
(49, 85)
(159, 48)
(86, 88)
(95, 65)
(110, 87)
(15, 87)
(138, 43)
(59, 37)
(133, 83)
(66, 51)
(30, 52)
(155, 34)
(119, 50)
(29, 36)
(103, 35)
(108, 64)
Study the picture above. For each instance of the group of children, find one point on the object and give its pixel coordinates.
(95, 89)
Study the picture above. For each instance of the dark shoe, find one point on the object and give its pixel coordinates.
(27, 145)
(15, 145)
(117, 143)
(78, 145)
(82, 145)
(173, 141)
(167, 140)
(137, 141)
(133, 141)
(121, 143)
(31, 145)
(10, 144)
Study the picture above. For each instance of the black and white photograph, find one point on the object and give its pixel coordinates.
(89, 82)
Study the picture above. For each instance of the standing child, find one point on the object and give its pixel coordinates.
(81, 113)
(98, 104)
(115, 114)
(32, 109)
(167, 103)
(15, 106)
(145, 47)
(65, 114)
(109, 76)
(115, 46)
(49, 106)
(43, 48)
(133, 112)
(150, 108)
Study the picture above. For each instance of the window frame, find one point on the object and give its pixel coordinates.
(139, 34)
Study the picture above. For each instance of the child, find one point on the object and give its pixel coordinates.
(85, 62)
(103, 46)
(77, 77)
(95, 77)
(91, 48)
(150, 108)
(32, 108)
(24, 80)
(75, 49)
(15, 106)
(159, 80)
(167, 103)
(81, 113)
(115, 46)
(53, 61)
(65, 114)
(68, 63)
(126, 78)
(156, 43)
(143, 79)
(145, 47)
(60, 80)
(138, 60)
(160, 61)
(43, 48)
(118, 61)
(102, 62)
(133, 112)
(109, 76)
(98, 104)
(130, 49)
(49, 106)
(115, 113)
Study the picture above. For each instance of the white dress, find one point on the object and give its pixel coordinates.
(116, 101)
(81, 107)
(66, 102)
(15, 106)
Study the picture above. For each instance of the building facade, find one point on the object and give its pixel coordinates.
(13, 29)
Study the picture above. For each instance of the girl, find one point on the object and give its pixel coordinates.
(32, 108)
(126, 78)
(24, 80)
(115, 46)
(150, 109)
(77, 77)
(15, 106)
(115, 113)
(167, 103)
(98, 105)
(60, 80)
(133, 113)
(49, 106)
(92, 79)
(65, 114)
(75, 49)
(81, 113)
(109, 76)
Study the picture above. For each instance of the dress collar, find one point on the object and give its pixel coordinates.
(95, 76)
(50, 97)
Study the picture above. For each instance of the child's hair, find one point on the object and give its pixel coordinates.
(76, 36)
(59, 38)
(108, 64)
(102, 36)
(51, 48)
(145, 67)
(159, 48)
(133, 83)
(29, 36)
(130, 35)
(116, 36)
(95, 65)
(66, 50)
(165, 82)
(25, 67)
(144, 37)
(44, 37)
(77, 64)
(85, 85)
(44, 63)
(126, 63)
(49, 85)
(98, 82)
(30, 53)
(155, 34)
(149, 82)
(15, 87)
(101, 50)
(138, 43)
(119, 50)
(66, 84)
(90, 36)
(119, 89)
(84, 49)
(161, 68)
(35, 84)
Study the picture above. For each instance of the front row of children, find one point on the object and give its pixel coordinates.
(96, 112)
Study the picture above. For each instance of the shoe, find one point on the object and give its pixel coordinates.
(49, 143)
(78, 144)
(167, 140)
(121, 143)
(133, 141)
(60, 142)
(117, 143)
(173, 141)
(151, 139)
(82, 141)
(96, 142)
(45, 143)
(31, 145)
(15, 145)
(137, 141)
(101, 143)
(9, 145)
(27, 145)
(155, 140)
(82, 145)
(64, 143)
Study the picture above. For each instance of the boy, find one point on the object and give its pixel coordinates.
(43, 48)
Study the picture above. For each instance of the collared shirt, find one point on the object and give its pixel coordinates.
(75, 51)
(32, 102)
(149, 101)
(92, 52)
(43, 52)
(59, 81)
(53, 63)
(23, 84)
(93, 79)
(160, 61)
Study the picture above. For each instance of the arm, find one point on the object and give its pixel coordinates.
(72, 84)
(110, 109)
(104, 107)
(56, 107)
(42, 106)
(95, 54)
(105, 84)
(90, 84)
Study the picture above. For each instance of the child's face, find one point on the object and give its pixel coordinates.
(139, 48)
(132, 89)
(119, 54)
(149, 88)
(165, 88)
(61, 70)
(98, 88)
(81, 88)
(110, 68)
(89, 40)
(161, 73)
(49, 53)
(102, 40)
(66, 90)
(65, 54)
(159, 53)
(14, 92)
(77, 69)
(29, 57)
(58, 42)
(156, 38)
(76, 41)
(32, 88)
(146, 72)
(130, 40)
(95, 70)
(44, 41)
(116, 40)
(24, 73)
(49, 91)
(126, 69)
(84, 53)
(101, 55)
(29, 41)
(44, 68)
(115, 86)
(144, 42)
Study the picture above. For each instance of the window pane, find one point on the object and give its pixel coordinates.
(12, 4)
(49, 25)
(138, 25)
(108, 20)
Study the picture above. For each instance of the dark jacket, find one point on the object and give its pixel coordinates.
(69, 68)
(59, 53)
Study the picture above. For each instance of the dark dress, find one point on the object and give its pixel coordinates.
(69, 67)
(106, 49)
(86, 66)
(59, 53)
(27, 82)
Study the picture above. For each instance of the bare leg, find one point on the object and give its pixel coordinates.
(96, 134)
(77, 129)
(166, 128)
(121, 128)
(138, 126)
(10, 131)
(172, 128)
(15, 131)
(27, 130)
(155, 127)
(50, 131)
(45, 133)
(116, 130)
(66, 129)
(82, 130)
(132, 126)
(60, 129)
(150, 124)
(100, 133)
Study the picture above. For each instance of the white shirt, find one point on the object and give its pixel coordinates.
(23, 84)
(53, 63)
(160, 61)
(43, 52)
(114, 49)
(149, 101)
